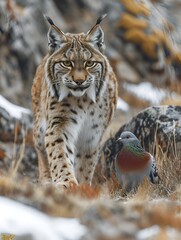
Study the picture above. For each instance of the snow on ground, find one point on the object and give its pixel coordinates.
(22, 220)
(14, 110)
(122, 105)
(147, 91)
(154, 231)
(148, 232)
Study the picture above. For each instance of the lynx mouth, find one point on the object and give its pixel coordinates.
(78, 88)
(78, 92)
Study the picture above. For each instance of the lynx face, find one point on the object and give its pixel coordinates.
(75, 65)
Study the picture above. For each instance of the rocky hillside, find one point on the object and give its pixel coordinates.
(144, 48)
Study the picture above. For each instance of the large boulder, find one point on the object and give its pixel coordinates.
(158, 129)
(23, 43)
(17, 153)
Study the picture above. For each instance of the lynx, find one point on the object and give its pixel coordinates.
(74, 96)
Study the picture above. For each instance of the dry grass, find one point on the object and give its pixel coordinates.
(85, 191)
(17, 157)
(152, 204)
(169, 167)
(172, 101)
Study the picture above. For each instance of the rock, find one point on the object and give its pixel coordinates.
(22, 45)
(16, 141)
(136, 45)
(158, 129)
(14, 120)
(136, 33)
(127, 72)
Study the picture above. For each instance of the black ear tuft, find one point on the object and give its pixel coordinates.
(99, 20)
(96, 35)
(55, 36)
(49, 20)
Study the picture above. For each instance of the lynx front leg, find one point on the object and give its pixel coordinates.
(60, 152)
(85, 166)
(87, 150)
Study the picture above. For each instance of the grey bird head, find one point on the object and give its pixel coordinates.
(128, 138)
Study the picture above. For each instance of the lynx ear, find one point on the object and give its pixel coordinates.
(96, 35)
(55, 36)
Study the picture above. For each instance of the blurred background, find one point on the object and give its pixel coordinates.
(142, 38)
(143, 45)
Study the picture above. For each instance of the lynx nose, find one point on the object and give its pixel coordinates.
(79, 82)
(78, 76)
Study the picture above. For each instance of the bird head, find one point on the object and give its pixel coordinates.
(127, 138)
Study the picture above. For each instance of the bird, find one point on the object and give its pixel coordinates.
(133, 163)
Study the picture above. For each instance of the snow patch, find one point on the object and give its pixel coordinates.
(122, 105)
(13, 110)
(21, 220)
(147, 233)
(147, 91)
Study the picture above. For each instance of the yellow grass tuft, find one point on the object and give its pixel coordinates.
(85, 191)
(147, 42)
(172, 101)
(127, 21)
(17, 159)
(135, 8)
(144, 191)
(6, 185)
(165, 215)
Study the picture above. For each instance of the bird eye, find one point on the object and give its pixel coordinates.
(67, 63)
(127, 136)
(90, 63)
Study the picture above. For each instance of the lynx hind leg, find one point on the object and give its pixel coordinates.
(44, 171)
(43, 166)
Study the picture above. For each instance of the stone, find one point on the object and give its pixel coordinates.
(17, 152)
(158, 128)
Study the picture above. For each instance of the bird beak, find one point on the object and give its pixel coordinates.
(119, 139)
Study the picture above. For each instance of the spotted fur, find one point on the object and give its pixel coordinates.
(74, 95)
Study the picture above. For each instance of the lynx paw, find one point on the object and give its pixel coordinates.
(66, 184)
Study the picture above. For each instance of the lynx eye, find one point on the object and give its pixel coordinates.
(90, 63)
(67, 63)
